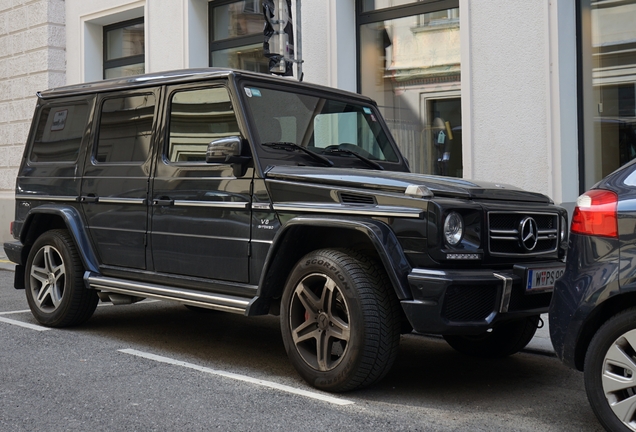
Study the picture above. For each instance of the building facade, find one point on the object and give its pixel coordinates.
(538, 94)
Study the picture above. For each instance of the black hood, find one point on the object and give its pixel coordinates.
(392, 181)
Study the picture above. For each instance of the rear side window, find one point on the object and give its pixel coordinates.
(59, 133)
(125, 129)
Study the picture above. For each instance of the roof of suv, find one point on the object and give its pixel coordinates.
(174, 77)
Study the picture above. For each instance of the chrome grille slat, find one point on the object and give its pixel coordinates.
(504, 237)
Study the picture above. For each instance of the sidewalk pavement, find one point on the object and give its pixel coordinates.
(540, 344)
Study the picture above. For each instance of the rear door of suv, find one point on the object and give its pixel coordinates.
(200, 211)
(115, 185)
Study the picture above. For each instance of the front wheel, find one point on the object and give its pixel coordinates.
(54, 286)
(610, 372)
(340, 320)
(506, 339)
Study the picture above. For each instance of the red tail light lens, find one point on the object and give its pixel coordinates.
(595, 214)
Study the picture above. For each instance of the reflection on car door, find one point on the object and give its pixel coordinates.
(114, 192)
(200, 211)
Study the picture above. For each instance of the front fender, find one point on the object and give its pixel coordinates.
(379, 234)
(73, 221)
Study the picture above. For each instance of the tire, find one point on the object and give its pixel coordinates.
(54, 282)
(340, 320)
(610, 372)
(506, 339)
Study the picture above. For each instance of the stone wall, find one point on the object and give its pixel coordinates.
(32, 58)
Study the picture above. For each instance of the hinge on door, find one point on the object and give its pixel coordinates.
(146, 239)
(249, 249)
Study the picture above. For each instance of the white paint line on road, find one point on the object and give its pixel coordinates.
(15, 312)
(23, 324)
(244, 378)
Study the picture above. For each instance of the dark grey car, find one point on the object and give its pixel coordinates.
(593, 313)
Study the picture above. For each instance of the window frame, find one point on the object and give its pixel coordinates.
(391, 13)
(52, 105)
(98, 121)
(165, 150)
(228, 43)
(121, 61)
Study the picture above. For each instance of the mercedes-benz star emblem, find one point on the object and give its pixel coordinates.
(528, 233)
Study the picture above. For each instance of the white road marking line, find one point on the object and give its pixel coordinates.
(99, 305)
(238, 377)
(23, 324)
(15, 312)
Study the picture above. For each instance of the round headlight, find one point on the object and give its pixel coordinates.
(453, 228)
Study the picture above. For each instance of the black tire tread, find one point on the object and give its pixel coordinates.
(381, 314)
(83, 302)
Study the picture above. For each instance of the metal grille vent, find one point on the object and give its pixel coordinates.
(469, 303)
(349, 198)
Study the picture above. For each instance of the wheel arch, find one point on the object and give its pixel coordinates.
(303, 234)
(596, 319)
(47, 217)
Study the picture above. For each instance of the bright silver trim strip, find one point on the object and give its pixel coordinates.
(45, 198)
(121, 200)
(200, 236)
(217, 204)
(262, 241)
(505, 293)
(383, 211)
(261, 206)
(92, 227)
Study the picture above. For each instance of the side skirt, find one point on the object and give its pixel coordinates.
(222, 302)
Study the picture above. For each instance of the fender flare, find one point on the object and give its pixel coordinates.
(75, 226)
(380, 235)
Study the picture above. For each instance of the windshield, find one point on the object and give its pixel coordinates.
(327, 127)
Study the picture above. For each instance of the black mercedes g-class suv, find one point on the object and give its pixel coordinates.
(253, 194)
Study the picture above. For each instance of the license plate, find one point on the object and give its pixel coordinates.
(542, 279)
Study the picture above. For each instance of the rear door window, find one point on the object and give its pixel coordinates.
(125, 129)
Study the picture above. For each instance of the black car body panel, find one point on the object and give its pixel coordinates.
(165, 223)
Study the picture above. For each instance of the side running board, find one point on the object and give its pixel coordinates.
(202, 299)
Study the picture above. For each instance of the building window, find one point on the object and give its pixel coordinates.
(409, 62)
(607, 87)
(236, 35)
(124, 49)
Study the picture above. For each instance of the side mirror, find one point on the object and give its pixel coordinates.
(224, 150)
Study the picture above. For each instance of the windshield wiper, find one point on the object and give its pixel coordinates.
(293, 146)
(359, 156)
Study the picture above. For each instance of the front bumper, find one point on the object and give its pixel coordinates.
(470, 301)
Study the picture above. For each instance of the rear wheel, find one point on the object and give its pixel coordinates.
(506, 339)
(610, 372)
(340, 320)
(54, 282)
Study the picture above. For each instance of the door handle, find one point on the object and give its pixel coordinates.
(90, 198)
(163, 201)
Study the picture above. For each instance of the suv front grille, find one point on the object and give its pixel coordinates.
(505, 239)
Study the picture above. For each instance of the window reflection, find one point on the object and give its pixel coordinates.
(411, 67)
(609, 86)
(125, 129)
(198, 117)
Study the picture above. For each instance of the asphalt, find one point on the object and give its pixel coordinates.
(540, 344)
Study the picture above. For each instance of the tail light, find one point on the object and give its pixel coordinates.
(595, 214)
